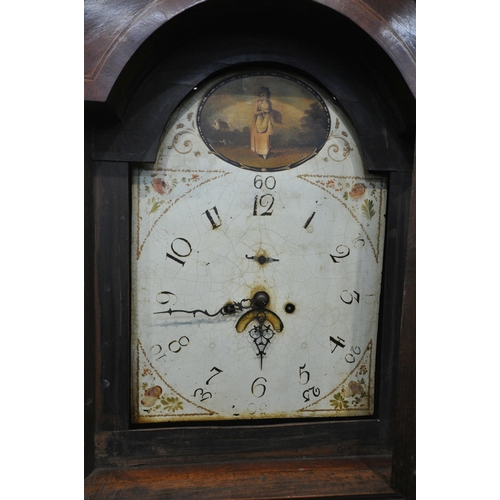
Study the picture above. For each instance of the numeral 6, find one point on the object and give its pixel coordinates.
(258, 389)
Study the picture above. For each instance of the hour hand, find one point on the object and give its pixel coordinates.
(261, 259)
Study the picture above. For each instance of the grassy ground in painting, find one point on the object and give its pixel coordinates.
(278, 157)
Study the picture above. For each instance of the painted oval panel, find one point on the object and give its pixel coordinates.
(264, 121)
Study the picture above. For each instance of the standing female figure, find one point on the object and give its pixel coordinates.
(265, 117)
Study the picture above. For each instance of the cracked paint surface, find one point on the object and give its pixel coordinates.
(207, 233)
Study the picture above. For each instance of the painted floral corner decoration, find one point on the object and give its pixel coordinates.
(151, 395)
(154, 398)
(359, 196)
(157, 190)
(364, 199)
(352, 394)
(190, 180)
(367, 209)
(359, 191)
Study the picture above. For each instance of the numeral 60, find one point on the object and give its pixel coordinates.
(269, 182)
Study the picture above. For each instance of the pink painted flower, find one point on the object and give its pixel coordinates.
(151, 396)
(159, 185)
(357, 191)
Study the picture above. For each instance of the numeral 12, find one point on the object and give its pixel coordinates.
(265, 201)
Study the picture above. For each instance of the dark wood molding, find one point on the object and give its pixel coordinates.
(219, 443)
(352, 478)
(404, 454)
(89, 311)
(360, 75)
(111, 40)
(112, 245)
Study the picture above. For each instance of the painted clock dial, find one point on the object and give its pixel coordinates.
(257, 244)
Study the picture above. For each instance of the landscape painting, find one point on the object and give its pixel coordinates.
(264, 121)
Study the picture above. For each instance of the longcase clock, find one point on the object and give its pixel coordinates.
(248, 192)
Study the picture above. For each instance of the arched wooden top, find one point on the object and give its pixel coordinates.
(115, 29)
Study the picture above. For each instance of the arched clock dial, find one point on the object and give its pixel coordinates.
(256, 259)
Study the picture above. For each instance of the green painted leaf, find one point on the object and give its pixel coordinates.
(338, 402)
(367, 209)
(155, 207)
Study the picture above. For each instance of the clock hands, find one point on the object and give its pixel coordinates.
(225, 310)
(268, 322)
(261, 259)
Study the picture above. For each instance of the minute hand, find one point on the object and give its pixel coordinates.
(225, 310)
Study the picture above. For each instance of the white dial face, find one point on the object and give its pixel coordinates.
(256, 259)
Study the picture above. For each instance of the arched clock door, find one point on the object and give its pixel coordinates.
(249, 245)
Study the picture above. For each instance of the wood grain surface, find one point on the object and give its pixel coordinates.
(352, 478)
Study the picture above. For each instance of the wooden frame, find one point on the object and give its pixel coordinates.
(126, 128)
